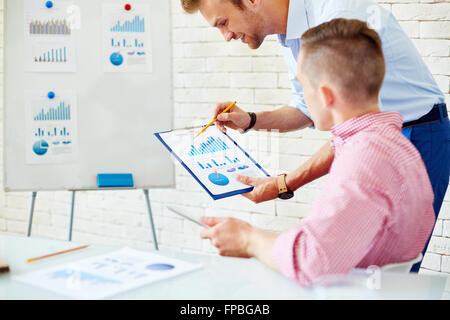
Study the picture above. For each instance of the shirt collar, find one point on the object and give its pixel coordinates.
(349, 128)
(297, 22)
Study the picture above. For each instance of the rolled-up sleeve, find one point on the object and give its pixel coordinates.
(338, 232)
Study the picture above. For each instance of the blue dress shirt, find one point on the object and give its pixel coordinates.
(408, 87)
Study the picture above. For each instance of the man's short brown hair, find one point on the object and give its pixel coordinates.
(349, 53)
(192, 6)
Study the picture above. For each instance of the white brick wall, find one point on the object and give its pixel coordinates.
(208, 70)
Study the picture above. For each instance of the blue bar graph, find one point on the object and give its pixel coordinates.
(53, 56)
(126, 43)
(136, 25)
(236, 160)
(61, 112)
(211, 145)
(215, 164)
(52, 132)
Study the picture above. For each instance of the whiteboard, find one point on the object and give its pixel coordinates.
(117, 113)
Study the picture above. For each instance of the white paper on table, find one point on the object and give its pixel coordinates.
(107, 275)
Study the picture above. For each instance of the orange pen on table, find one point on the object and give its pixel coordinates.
(56, 253)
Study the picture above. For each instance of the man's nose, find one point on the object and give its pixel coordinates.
(227, 35)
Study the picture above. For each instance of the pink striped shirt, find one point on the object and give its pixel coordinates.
(374, 209)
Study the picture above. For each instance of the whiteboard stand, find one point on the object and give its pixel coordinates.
(150, 215)
(72, 207)
(30, 214)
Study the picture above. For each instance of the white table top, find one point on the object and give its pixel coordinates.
(220, 278)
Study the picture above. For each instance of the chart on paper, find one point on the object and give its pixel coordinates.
(49, 27)
(126, 44)
(107, 275)
(51, 135)
(214, 159)
(48, 38)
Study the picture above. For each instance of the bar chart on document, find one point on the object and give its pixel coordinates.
(51, 132)
(214, 159)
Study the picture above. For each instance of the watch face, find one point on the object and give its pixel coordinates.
(286, 195)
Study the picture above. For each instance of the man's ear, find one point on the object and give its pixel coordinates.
(254, 4)
(327, 96)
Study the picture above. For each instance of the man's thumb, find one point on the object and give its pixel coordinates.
(245, 180)
(231, 116)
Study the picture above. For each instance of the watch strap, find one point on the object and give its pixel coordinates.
(252, 122)
(282, 187)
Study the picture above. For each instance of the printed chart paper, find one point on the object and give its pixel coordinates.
(51, 128)
(49, 45)
(107, 275)
(213, 159)
(126, 38)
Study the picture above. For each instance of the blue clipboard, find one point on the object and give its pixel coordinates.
(218, 196)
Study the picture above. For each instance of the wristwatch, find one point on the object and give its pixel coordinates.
(283, 192)
(252, 122)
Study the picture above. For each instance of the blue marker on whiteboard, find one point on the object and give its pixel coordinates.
(51, 95)
(49, 4)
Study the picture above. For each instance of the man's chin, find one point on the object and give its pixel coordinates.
(254, 45)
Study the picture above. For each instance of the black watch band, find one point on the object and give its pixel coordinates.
(252, 121)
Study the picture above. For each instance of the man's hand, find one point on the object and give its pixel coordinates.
(237, 238)
(231, 236)
(235, 118)
(265, 189)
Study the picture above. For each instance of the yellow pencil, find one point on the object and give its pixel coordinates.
(56, 253)
(215, 119)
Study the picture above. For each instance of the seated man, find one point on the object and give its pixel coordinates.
(376, 206)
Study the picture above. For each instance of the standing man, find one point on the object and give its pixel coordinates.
(408, 87)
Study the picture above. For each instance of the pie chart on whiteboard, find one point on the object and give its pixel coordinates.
(40, 147)
(116, 59)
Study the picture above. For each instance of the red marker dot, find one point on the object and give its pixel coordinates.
(128, 7)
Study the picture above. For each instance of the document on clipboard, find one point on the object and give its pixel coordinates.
(214, 159)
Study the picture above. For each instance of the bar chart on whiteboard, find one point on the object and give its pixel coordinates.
(51, 128)
(127, 41)
(213, 159)
(48, 38)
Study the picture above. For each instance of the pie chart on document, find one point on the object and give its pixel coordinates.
(160, 267)
(40, 147)
(218, 179)
(116, 59)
